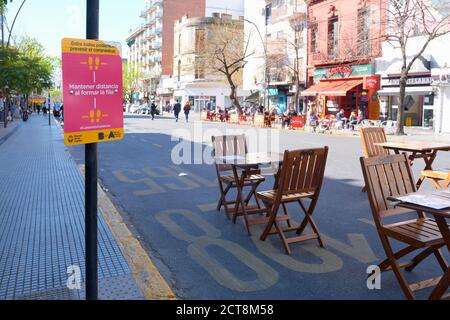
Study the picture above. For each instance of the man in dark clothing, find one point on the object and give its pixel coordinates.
(153, 110)
(177, 110)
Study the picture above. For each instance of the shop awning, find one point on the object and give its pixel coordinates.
(412, 91)
(332, 88)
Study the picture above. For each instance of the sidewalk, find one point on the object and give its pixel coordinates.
(42, 221)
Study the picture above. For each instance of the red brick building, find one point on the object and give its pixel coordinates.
(173, 10)
(344, 38)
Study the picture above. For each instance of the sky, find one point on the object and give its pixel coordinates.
(51, 20)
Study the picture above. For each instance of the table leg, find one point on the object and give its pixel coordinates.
(444, 283)
(240, 200)
(428, 166)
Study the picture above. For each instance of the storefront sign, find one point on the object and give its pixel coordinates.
(440, 77)
(297, 123)
(92, 85)
(340, 72)
(412, 81)
(343, 72)
(372, 83)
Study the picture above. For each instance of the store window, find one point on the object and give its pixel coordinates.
(314, 37)
(364, 22)
(333, 37)
(428, 111)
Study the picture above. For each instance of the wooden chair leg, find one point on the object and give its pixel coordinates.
(223, 193)
(395, 267)
(441, 260)
(441, 287)
(286, 212)
(308, 219)
(273, 215)
(282, 237)
(420, 257)
(385, 265)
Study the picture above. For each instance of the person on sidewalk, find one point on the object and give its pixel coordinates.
(177, 110)
(187, 109)
(153, 110)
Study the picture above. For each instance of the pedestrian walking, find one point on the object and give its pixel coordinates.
(177, 110)
(39, 108)
(153, 110)
(187, 109)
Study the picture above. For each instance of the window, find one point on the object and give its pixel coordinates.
(199, 40)
(333, 38)
(179, 44)
(179, 70)
(280, 35)
(364, 22)
(314, 37)
(199, 69)
(268, 14)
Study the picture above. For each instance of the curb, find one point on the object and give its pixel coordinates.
(147, 276)
(6, 137)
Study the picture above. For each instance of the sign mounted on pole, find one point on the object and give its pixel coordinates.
(92, 89)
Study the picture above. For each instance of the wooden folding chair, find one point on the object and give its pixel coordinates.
(300, 179)
(439, 178)
(232, 145)
(390, 175)
(370, 136)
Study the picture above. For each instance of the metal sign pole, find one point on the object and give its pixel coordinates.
(92, 30)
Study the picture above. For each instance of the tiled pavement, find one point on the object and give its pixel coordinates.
(42, 221)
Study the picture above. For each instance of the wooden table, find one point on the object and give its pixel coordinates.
(418, 150)
(248, 164)
(440, 217)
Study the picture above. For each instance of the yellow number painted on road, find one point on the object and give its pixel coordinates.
(153, 187)
(266, 276)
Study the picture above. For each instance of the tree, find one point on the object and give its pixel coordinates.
(25, 68)
(413, 18)
(225, 52)
(132, 76)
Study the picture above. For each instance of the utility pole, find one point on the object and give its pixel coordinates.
(92, 30)
(48, 105)
(3, 27)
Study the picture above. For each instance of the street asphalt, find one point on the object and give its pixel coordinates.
(171, 208)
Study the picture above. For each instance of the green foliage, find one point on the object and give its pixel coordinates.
(25, 68)
(131, 81)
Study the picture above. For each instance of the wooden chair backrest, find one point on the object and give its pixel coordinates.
(369, 137)
(385, 176)
(302, 171)
(231, 145)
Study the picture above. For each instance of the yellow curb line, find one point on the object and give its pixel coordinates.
(147, 276)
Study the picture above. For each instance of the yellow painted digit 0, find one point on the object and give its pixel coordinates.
(266, 276)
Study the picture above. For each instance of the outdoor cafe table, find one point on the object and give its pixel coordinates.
(249, 164)
(440, 216)
(418, 150)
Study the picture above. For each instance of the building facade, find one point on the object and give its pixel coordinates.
(277, 30)
(427, 91)
(344, 39)
(154, 39)
(192, 81)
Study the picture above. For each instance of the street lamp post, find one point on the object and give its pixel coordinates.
(92, 30)
(48, 103)
(264, 44)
